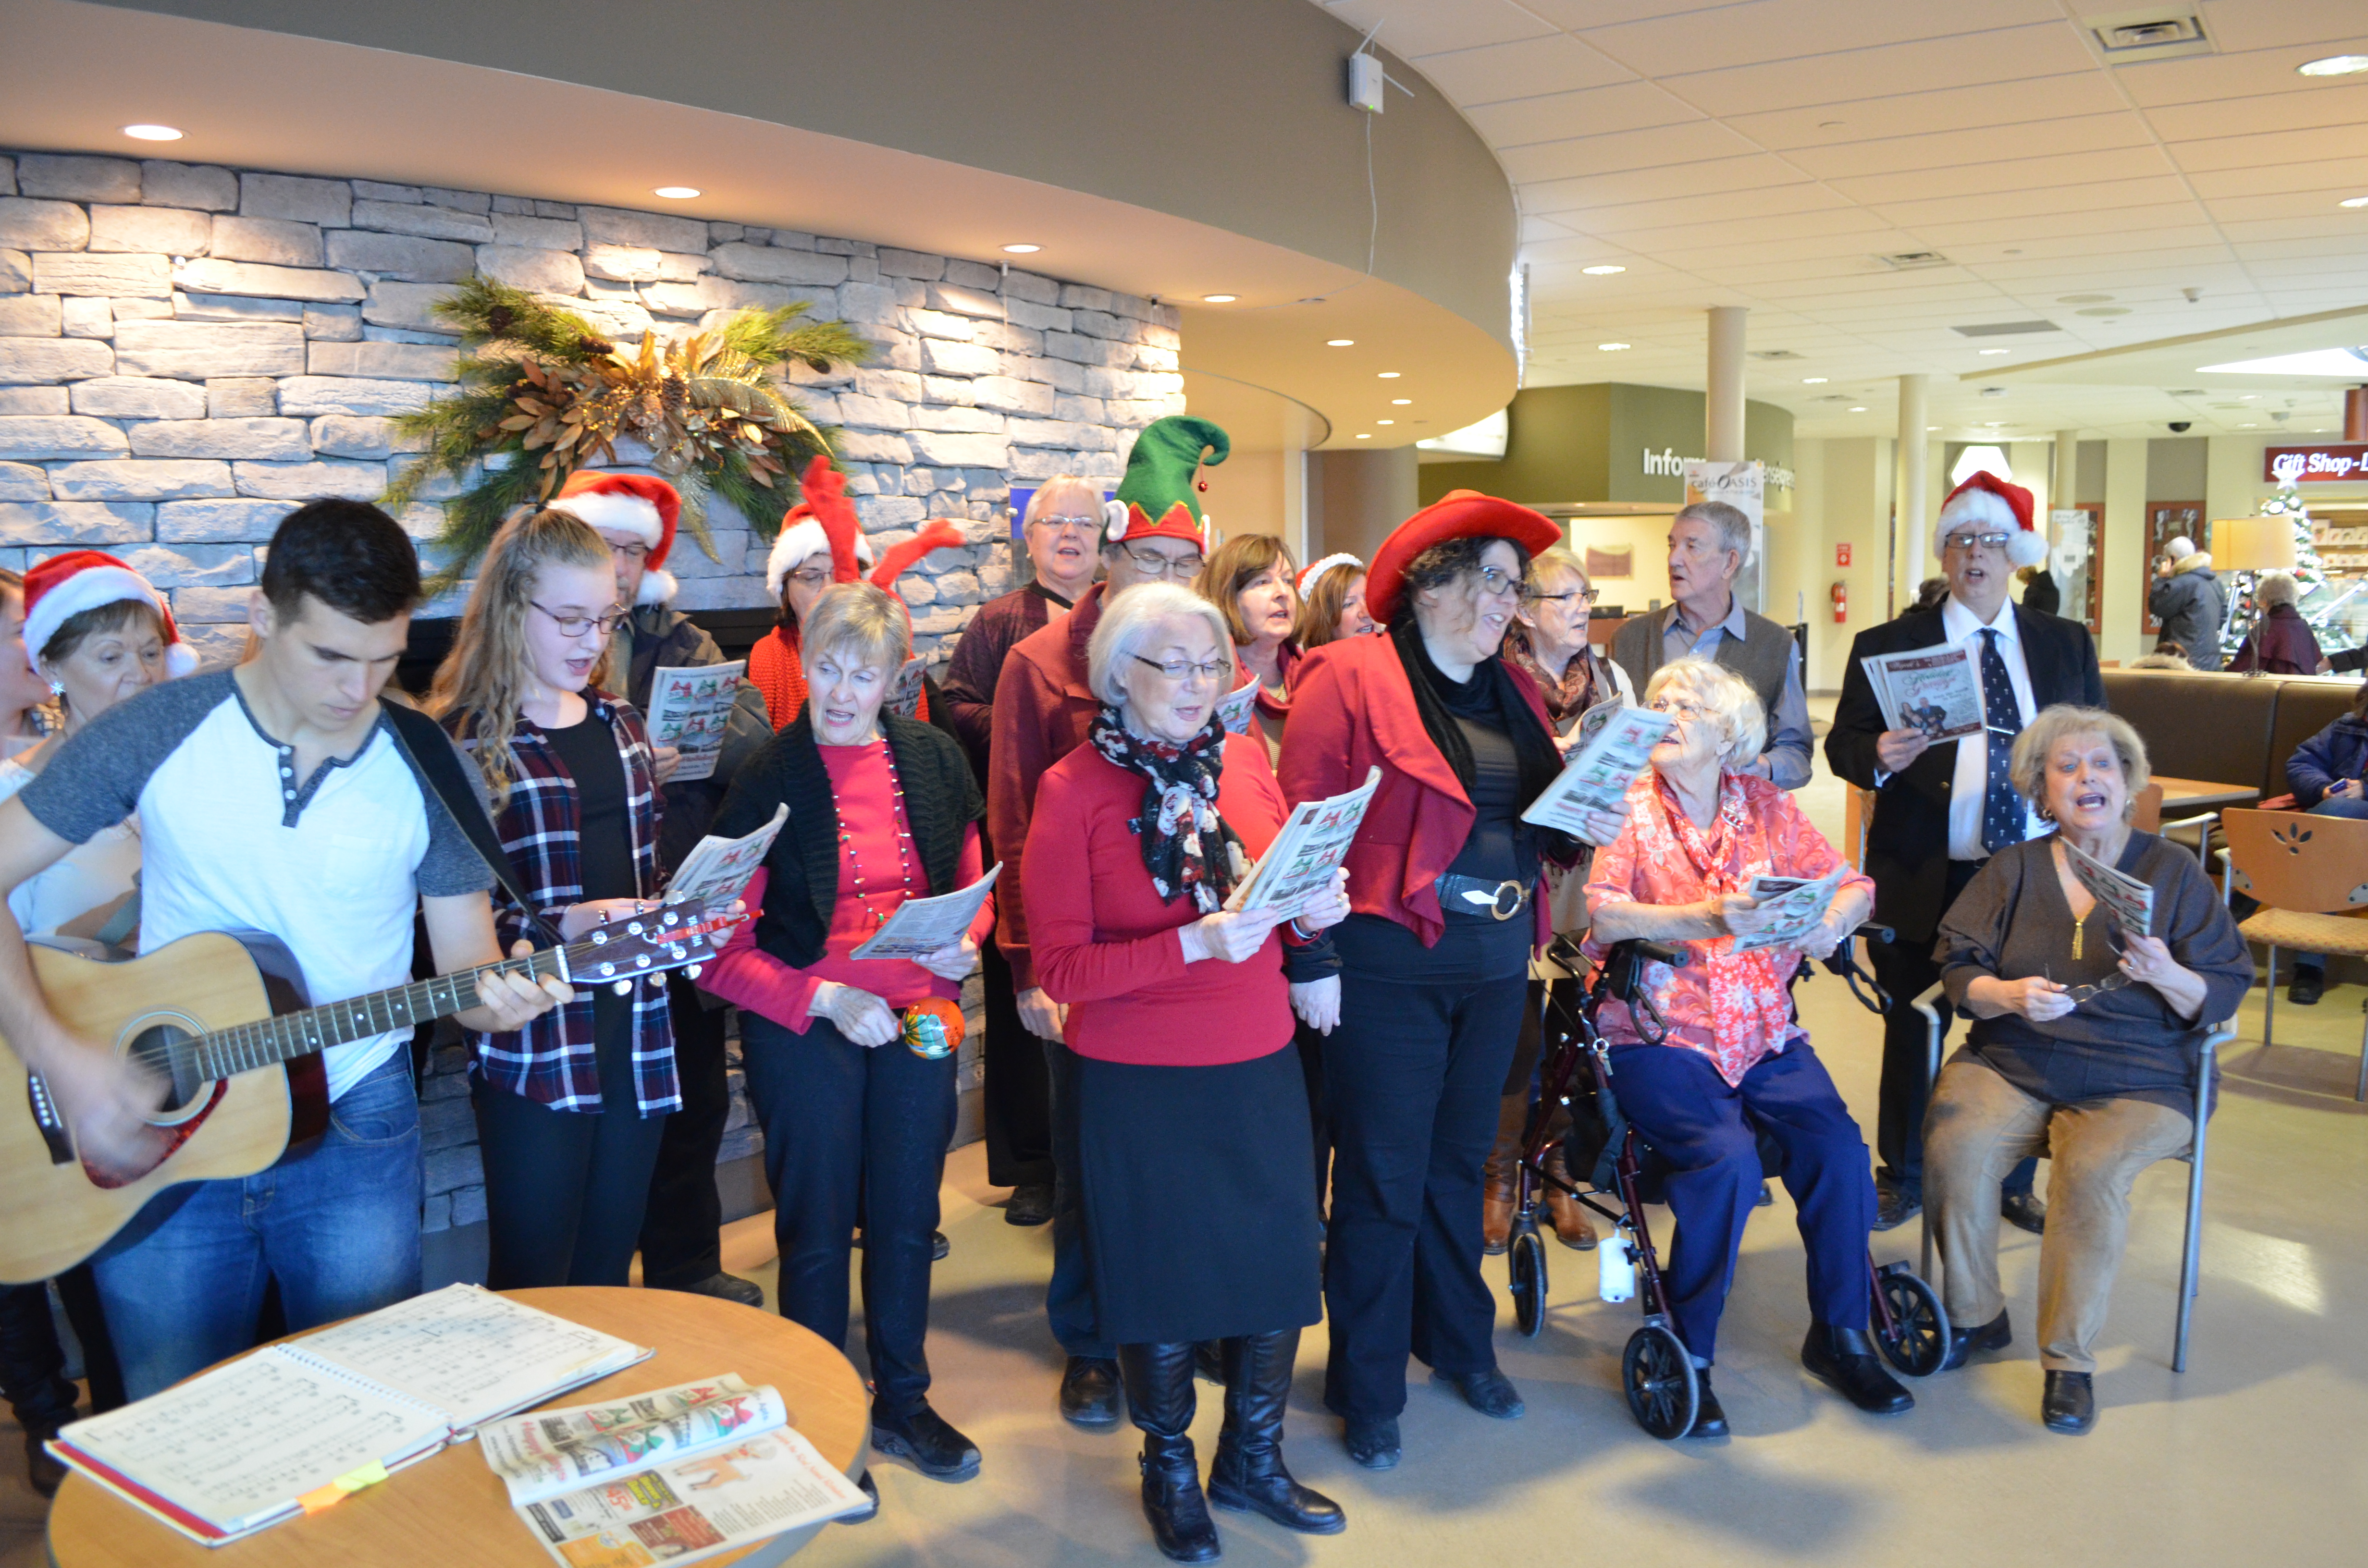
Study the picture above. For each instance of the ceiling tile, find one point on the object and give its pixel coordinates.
(1945, 108)
(2271, 24)
(1574, 201)
(2203, 78)
(2121, 168)
(1749, 201)
(2340, 102)
(2040, 208)
(2011, 54)
(2033, 139)
(1783, 29)
(1530, 68)
(1590, 114)
(2272, 149)
(1435, 25)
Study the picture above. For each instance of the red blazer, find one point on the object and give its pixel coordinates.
(1106, 944)
(1042, 708)
(1352, 710)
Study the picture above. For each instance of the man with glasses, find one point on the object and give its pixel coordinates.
(1061, 530)
(1043, 703)
(1941, 807)
(1710, 542)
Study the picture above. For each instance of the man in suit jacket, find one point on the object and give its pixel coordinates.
(1942, 807)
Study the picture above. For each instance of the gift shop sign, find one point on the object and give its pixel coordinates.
(2316, 465)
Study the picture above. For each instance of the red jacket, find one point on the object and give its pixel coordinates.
(1042, 708)
(1351, 711)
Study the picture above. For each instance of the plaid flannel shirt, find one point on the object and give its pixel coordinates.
(550, 1060)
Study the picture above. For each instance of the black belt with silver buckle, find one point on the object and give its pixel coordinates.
(1477, 895)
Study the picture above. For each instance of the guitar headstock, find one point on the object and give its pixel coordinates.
(673, 936)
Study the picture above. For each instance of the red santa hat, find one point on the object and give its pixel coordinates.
(65, 585)
(636, 503)
(824, 521)
(1459, 514)
(1986, 499)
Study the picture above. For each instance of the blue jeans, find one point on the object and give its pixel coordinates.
(337, 1224)
(2347, 806)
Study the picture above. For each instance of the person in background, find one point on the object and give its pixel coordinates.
(1044, 705)
(1060, 529)
(635, 514)
(1251, 581)
(1332, 603)
(2187, 600)
(856, 1100)
(2040, 590)
(1710, 543)
(23, 694)
(1930, 594)
(1180, 1014)
(2324, 774)
(2281, 643)
(798, 569)
(2083, 1045)
(2166, 657)
(1943, 808)
(98, 633)
(570, 1110)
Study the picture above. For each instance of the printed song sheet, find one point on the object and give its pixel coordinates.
(1307, 851)
(690, 706)
(924, 924)
(688, 1509)
(1234, 709)
(716, 869)
(1790, 908)
(2130, 899)
(551, 1451)
(1933, 690)
(903, 699)
(1601, 769)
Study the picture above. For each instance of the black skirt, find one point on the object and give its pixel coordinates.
(1200, 1221)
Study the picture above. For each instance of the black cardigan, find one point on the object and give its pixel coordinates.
(941, 800)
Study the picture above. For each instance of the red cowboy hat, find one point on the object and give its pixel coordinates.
(1459, 514)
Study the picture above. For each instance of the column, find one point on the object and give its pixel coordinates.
(1723, 405)
(1912, 524)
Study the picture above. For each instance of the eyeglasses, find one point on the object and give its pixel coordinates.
(1589, 594)
(811, 577)
(1054, 525)
(1181, 670)
(1967, 541)
(1496, 580)
(1182, 569)
(2113, 982)
(578, 625)
(1687, 712)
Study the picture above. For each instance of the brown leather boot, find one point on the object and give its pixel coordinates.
(1497, 1177)
(1570, 1223)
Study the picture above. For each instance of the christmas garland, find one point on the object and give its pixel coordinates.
(541, 392)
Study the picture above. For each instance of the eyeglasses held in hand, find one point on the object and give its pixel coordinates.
(2113, 982)
(578, 625)
(1181, 570)
(1182, 670)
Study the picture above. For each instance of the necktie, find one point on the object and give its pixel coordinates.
(2003, 818)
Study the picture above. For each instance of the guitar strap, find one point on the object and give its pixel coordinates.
(423, 740)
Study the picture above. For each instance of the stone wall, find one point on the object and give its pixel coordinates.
(186, 351)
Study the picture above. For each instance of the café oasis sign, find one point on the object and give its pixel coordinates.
(2346, 462)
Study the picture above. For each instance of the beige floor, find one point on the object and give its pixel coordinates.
(2259, 1454)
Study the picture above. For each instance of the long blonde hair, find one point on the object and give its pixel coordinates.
(485, 676)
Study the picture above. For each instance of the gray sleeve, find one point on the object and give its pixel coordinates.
(451, 865)
(1790, 737)
(95, 779)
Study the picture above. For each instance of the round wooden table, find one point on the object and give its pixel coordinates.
(450, 1509)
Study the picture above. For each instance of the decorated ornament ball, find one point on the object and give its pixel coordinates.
(933, 1028)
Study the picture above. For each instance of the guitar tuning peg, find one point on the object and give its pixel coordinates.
(622, 988)
(693, 972)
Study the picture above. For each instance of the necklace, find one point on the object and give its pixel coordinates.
(904, 839)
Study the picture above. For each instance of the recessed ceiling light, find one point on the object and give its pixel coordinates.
(1857, 408)
(1362, 435)
(1219, 299)
(1339, 343)
(1611, 347)
(1401, 402)
(1022, 250)
(2334, 66)
(1604, 272)
(1384, 421)
(2353, 202)
(675, 192)
(1931, 429)
(2084, 299)
(1812, 381)
(1388, 375)
(2105, 311)
(151, 133)
(1995, 424)
(1998, 350)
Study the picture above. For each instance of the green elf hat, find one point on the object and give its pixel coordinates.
(1158, 497)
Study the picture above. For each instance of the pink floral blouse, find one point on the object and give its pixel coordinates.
(1732, 1007)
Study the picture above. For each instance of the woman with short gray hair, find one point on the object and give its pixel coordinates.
(2281, 643)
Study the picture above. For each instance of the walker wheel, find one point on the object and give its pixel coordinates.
(1918, 1340)
(1526, 1267)
(1663, 1393)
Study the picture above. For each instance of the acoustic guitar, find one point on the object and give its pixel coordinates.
(222, 1018)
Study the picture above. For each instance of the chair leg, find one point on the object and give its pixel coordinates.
(2190, 1282)
(2270, 998)
(2359, 1090)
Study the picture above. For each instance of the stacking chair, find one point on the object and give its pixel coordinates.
(2302, 870)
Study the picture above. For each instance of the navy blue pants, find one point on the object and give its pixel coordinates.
(1705, 1131)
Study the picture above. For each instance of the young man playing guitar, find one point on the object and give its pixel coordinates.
(274, 797)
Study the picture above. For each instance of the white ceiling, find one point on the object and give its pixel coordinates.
(1764, 152)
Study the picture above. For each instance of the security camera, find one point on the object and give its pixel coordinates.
(2179, 426)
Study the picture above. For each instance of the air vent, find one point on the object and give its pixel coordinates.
(1910, 260)
(2004, 328)
(2184, 392)
(1774, 353)
(2156, 32)
(1993, 391)
(1836, 397)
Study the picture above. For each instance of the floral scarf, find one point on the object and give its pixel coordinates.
(1582, 685)
(1187, 848)
(1751, 1010)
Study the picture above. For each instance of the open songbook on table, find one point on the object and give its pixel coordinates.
(1613, 746)
(691, 706)
(672, 1476)
(1307, 851)
(717, 869)
(293, 1429)
(922, 926)
(1932, 690)
(2130, 900)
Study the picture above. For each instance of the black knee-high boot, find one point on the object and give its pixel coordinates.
(1248, 1474)
(1159, 1381)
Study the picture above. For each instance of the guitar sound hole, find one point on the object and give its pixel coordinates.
(161, 1048)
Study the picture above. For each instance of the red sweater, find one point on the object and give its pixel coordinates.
(1107, 946)
(1042, 708)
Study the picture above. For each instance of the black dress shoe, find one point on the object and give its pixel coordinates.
(929, 1440)
(1709, 1417)
(2069, 1405)
(2024, 1211)
(1995, 1335)
(1894, 1206)
(1030, 1204)
(1491, 1394)
(1089, 1392)
(1374, 1443)
(726, 1288)
(1843, 1359)
(2303, 990)
(44, 1470)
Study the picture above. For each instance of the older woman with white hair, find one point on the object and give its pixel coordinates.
(1730, 1063)
(1178, 1013)
(2281, 643)
(2083, 1044)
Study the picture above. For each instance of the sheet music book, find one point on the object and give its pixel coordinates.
(1934, 691)
(924, 924)
(295, 1427)
(1307, 851)
(717, 869)
(691, 706)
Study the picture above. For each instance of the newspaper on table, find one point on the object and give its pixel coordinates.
(1933, 690)
(1234, 709)
(903, 699)
(551, 1451)
(1312, 842)
(1790, 908)
(689, 1508)
(924, 924)
(2130, 900)
(716, 869)
(1601, 769)
(691, 706)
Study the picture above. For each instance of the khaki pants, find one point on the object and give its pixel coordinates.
(1978, 1126)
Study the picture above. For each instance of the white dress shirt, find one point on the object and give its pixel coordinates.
(1968, 785)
